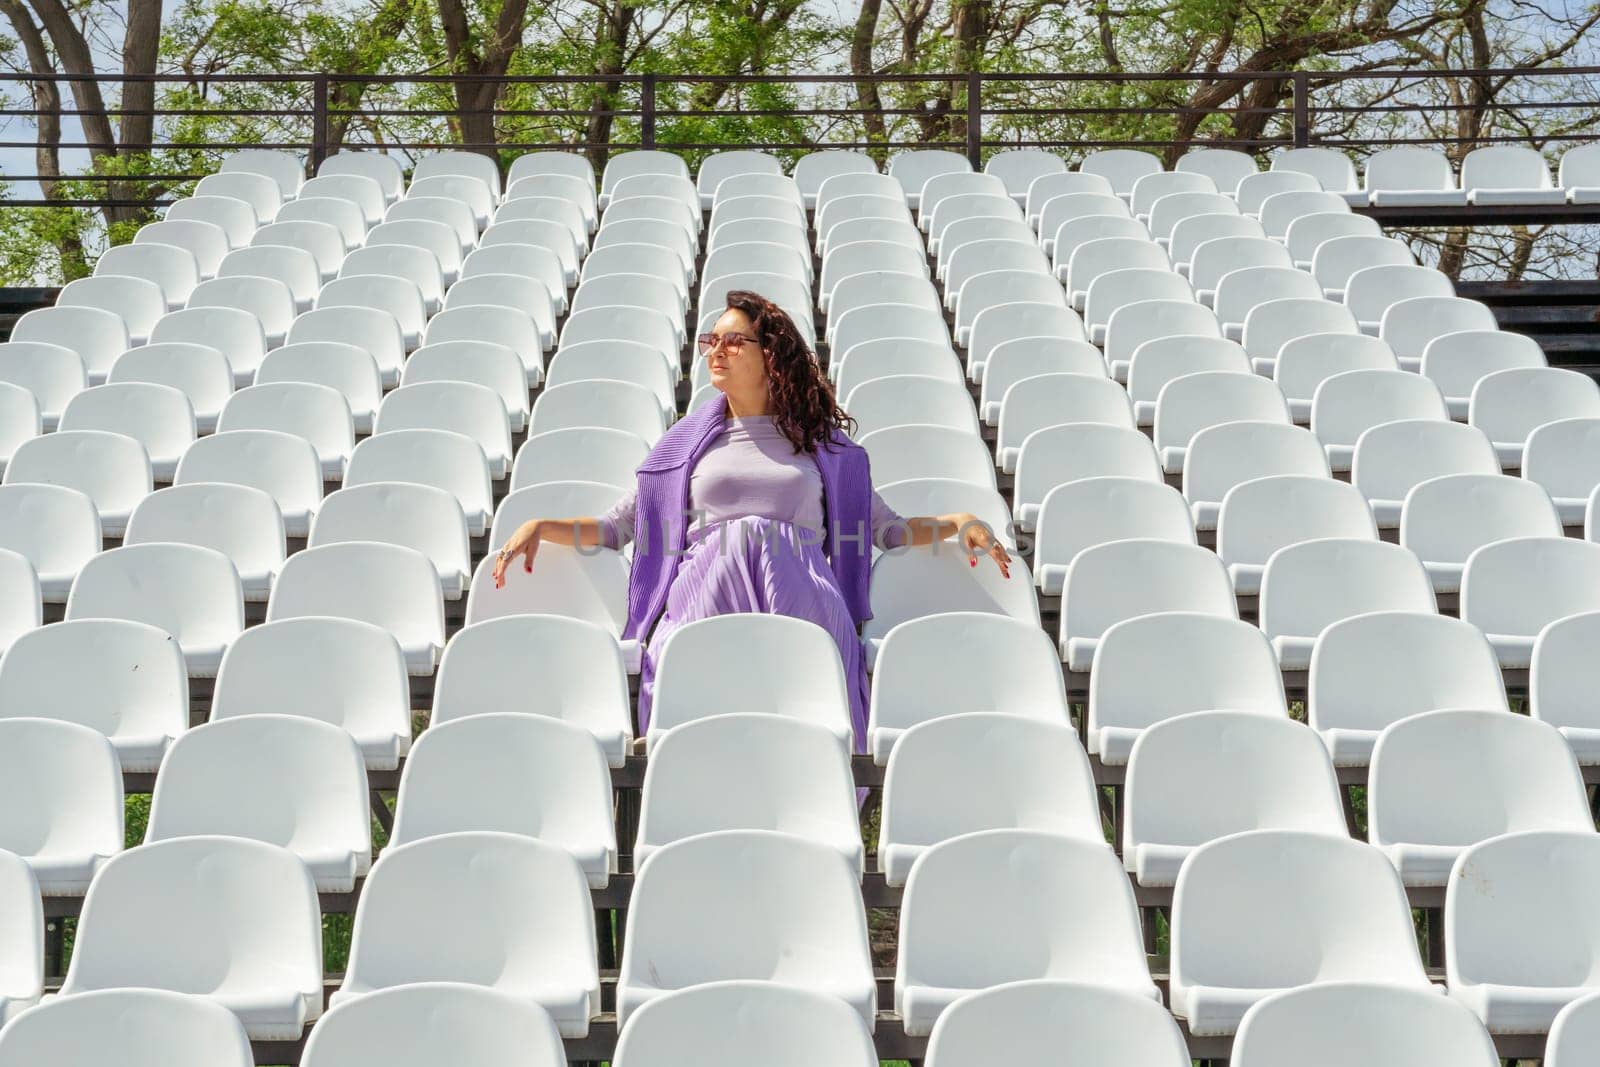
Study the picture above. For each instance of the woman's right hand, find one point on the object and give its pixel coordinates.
(524, 542)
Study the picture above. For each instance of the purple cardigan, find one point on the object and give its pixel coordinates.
(661, 524)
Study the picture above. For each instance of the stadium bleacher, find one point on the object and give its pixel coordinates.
(1289, 517)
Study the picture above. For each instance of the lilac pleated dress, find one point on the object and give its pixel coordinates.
(756, 546)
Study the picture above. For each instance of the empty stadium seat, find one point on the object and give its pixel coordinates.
(284, 465)
(54, 374)
(136, 1027)
(22, 962)
(969, 899)
(139, 302)
(422, 517)
(364, 191)
(294, 267)
(1240, 292)
(1512, 589)
(206, 242)
(158, 417)
(62, 789)
(1173, 208)
(1131, 325)
(959, 774)
(593, 454)
(389, 585)
(1411, 176)
(904, 399)
(1456, 361)
(1391, 459)
(398, 297)
(343, 215)
(1445, 519)
(1008, 321)
(539, 946)
(1337, 258)
(1213, 259)
(887, 356)
(1409, 326)
(917, 582)
(1162, 359)
(112, 470)
(200, 372)
(1171, 576)
(1193, 402)
(946, 496)
(1329, 1023)
(425, 1022)
(1559, 682)
(1095, 511)
(1346, 405)
(1445, 780)
(98, 336)
(417, 265)
(176, 914)
(1270, 325)
(372, 329)
(429, 236)
(1262, 772)
(605, 403)
(259, 191)
(1308, 586)
(282, 167)
(1012, 361)
(1303, 363)
(749, 771)
(1509, 405)
(1308, 233)
(901, 453)
(286, 780)
(315, 413)
(1224, 166)
(1262, 515)
(241, 522)
(1580, 175)
(1370, 291)
(471, 410)
(437, 458)
(727, 1023)
(1092, 259)
(1056, 455)
(1508, 174)
(1514, 954)
(1045, 188)
(322, 239)
(1331, 167)
(455, 214)
(1334, 910)
(346, 369)
(236, 217)
(19, 419)
(1061, 209)
(1052, 399)
(1254, 189)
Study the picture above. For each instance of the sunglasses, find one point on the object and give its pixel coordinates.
(732, 341)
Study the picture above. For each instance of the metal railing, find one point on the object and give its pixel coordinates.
(972, 113)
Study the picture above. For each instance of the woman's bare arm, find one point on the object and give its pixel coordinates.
(968, 528)
(583, 531)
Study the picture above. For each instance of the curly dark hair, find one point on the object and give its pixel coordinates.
(804, 407)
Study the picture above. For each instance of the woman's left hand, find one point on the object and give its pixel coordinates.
(978, 540)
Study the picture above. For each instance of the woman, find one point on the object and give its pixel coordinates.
(757, 502)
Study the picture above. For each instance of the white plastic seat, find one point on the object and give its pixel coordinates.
(1192, 231)
(268, 299)
(1092, 259)
(1008, 321)
(1411, 176)
(427, 1022)
(189, 591)
(416, 265)
(1168, 211)
(795, 918)
(1347, 405)
(112, 470)
(916, 322)
(1308, 232)
(1227, 456)
(1120, 580)
(1262, 515)
(1119, 288)
(1031, 1021)
(19, 419)
(63, 787)
(349, 674)
(425, 234)
(1253, 189)
(959, 774)
(728, 1023)
(1509, 405)
(1239, 292)
(565, 801)
(344, 368)
(1011, 361)
(1063, 208)
(317, 413)
(923, 581)
(612, 404)
(207, 242)
(1193, 402)
(342, 215)
(511, 326)
(51, 372)
(157, 416)
(1508, 174)
(1308, 586)
(540, 946)
(1392, 458)
(1579, 175)
(259, 191)
(366, 193)
(175, 269)
(946, 496)
(976, 257)
(472, 190)
(814, 168)
(901, 453)
(241, 522)
(1043, 188)
(1408, 326)
(234, 332)
(1057, 455)
(372, 329)
(400, 298)
(423, 517)
(1560, 682)
(623, 324)
(453, 212)
(751, 174)
(859, 291)
(964, 210)
(968, 897)
(905, 399)
(1332, 168)
(1131, 325)
(641, 290)
(281, 166)
(913, 168)
(749, 771)
(139, 302)
(1304, 362)
(1156, 362)
(573, 165)
(628, 164)
(1095, 511)
(1153, 667)
(1211, 261)
(1018, 169)
(283, 465)
(294, 267)
(673, 187)
(98, 336)
(787, 666)
(765, 257)
(861, 257)
(1370, 292)
(1262, 772)
(1280, 210)
(1456, 361)
(1511, 954)
(1511, 590)
(887, 356)
(1337, 258)
(474, 411)
(1335, 909)
(593, 454)
(1445, 780)
(388, 585)
(137, 1027)
(247, 777)
(1224, 166)
(1572, 1034)
(200, 372)
(526, 261)
(1122, 167)
(484, 168)
(1149, 188)
(1330, 1023)
(755, 211)
(1074, 233)
(175, 914)
(443, 460)
(236, 218)
(1445, 519)
(940, 187)
(1052, 399)
(1561, 456)
(322, 239)
(660, 220)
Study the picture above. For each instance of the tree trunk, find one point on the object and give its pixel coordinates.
(140, 49)
(611, 45)
(867, 96)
